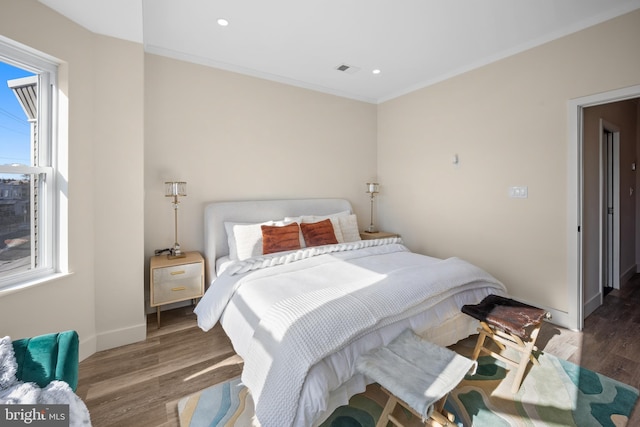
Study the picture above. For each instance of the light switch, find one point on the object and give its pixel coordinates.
(519, 192)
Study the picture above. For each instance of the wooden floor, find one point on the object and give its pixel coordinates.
(140, 384)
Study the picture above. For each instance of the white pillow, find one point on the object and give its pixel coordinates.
(245, 240)
(349, 228)
(315, 218)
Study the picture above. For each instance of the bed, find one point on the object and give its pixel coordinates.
(301, 297)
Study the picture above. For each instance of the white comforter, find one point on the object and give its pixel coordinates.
(350, 290)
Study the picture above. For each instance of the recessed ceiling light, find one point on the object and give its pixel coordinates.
(223, 22)
(376, 71)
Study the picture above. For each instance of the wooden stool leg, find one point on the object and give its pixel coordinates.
(484, 333)
(534, 337)
(522, 366)
(491, 333)
(438, 420)
(440, 417)
(527, 350)
(388, 409)
(479, 344)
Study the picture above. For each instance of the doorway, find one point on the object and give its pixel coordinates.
(583, 261)
(609, 208)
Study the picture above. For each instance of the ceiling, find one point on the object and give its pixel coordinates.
(414, 43)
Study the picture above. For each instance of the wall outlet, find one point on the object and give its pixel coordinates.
(519, 192)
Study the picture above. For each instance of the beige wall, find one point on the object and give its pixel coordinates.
(100, 86)
(234, 137)
(118, 132)
(508, 123)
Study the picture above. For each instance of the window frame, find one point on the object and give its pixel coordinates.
(48, 250)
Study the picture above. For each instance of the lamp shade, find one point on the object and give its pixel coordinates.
(372, 187)
(175, 188)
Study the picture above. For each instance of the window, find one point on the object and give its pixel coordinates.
(27, 165)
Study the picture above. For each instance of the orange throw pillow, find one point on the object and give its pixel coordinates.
(279, 239)
(319, 233)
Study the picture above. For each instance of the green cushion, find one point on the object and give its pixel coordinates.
(49, 357)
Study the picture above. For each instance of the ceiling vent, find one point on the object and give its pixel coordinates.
(349, 69)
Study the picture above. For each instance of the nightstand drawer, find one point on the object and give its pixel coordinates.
(176, 283)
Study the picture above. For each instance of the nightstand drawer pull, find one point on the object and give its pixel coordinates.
(179, 288)
(173, 273)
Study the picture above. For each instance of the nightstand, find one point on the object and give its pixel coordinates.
(377, 235)
(174, 280)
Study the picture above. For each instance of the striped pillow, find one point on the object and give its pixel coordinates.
(319, 233)
(280, 238)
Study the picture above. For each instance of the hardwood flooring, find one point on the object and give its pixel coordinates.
(140, 384)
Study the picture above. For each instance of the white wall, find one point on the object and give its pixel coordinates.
(101, 98)
(508, 123)
(234, 137)
(119, 191)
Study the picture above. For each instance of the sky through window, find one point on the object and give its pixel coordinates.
(14, 127)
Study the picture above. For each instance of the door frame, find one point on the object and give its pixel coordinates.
(575, 173)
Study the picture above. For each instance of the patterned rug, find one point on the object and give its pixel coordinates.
(556, 393)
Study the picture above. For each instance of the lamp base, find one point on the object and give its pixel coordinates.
(371, 229)
(175, 252)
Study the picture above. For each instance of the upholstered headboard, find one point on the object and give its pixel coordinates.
(254, 211)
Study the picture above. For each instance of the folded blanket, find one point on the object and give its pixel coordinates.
(271, 260)
(15, 392)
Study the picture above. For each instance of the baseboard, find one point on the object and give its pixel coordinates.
(87, 347)
(120, 337)
(112, 339)
(627, 275)
(562, 319)
(593, 303)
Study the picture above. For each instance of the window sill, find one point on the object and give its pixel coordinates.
(17, 287)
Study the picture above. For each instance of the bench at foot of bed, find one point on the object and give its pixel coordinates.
(416, 374)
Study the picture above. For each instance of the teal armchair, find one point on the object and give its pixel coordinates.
(49, 357)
